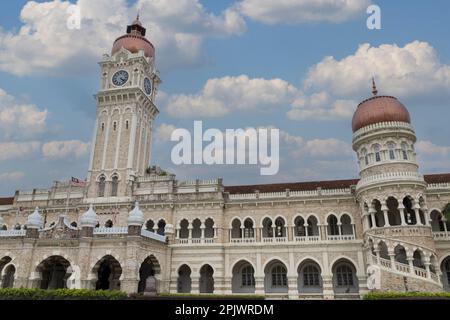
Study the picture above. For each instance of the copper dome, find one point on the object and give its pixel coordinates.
(379, 109)
(134, 40)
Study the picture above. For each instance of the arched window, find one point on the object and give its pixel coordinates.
(333, 227)
(279, 277)
(184, 229)
(313, 228)
(149, 225)
(101, 186)
(8, 278)
(249, 232)
(74, 224)
(103, 127)
(109, 224)
(161, 227)
(126, 124)
(196, 228)
(346, 225)
(114, 186)
(248, 276)
(280, 230)
(376, 150)
(267, 228)
(236, 229)
(446, 273)
(405, 151)
(365, 156)
(300, 230)
(184, 279)
(344, 276)
(114, 126)
(311, 276)
(410, 214)
(209, 228)
(391, 149)
(4, 227)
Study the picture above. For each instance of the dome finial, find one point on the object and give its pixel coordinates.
(374, 87)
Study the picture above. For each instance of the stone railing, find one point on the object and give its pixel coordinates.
(404, 269)
(113, 230)
(341, 237)
(402, 231)
(153, 235)
(191, 241)
(12, 233)
(291, 194)
(381, 126)
(243, 240)
(441, 235)
(389, 176)
(438, 186)
(307, 239)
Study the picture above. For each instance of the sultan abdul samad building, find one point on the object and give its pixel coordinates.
(329, 239)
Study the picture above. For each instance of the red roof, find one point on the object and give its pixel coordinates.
(293, 186)
(6, 201)
(332, 184)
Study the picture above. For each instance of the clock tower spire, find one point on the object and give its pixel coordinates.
(121, 146)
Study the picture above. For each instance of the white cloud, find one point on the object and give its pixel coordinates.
(220, 96)
(332, 88)
(44, 44)
(18, 150)
(411, 70)
(11, 176)
(163, 132)
(321, 106)
(300, 147)
(302, 11)
(427, 148)
(65, 149)
(328, 148)
(18, 119)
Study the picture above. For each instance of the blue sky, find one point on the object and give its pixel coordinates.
(51, 74)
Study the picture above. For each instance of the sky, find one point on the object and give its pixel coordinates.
(301, 66)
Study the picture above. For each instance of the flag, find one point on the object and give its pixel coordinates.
(78, 182)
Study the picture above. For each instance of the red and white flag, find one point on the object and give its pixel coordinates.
(78, 182)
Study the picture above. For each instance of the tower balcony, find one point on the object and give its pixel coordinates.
(390, 177)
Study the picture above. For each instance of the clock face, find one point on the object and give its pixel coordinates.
(120, 78)
(147, 86)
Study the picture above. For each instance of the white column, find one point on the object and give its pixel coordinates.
(372, 212)
(119, 134)
(132, 141)
(202, 228)
(401, 208)
(140, 146)
(385, 209)
(411, 265)
(94, 141)
(108, 124)
(392, 258)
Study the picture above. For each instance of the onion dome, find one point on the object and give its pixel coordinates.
(379, 109)
(34, 220)
(89, 218)
(136, 217)
(134, 40)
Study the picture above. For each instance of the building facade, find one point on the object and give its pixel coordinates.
(129, 222)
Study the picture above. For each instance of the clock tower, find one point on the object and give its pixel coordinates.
(121, 145)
